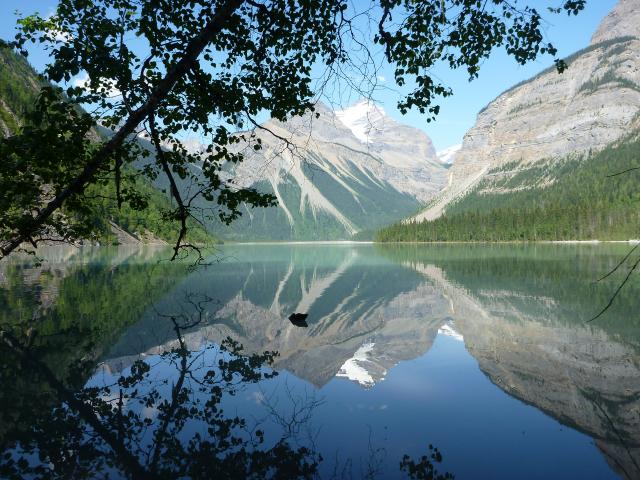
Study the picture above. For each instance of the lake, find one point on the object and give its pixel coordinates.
(477, 361)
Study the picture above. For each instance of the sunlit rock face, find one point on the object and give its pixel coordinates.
(575, 372)
(335, 174)
(592, 104)
(623, 19)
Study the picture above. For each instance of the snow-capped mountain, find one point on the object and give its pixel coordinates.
(448, 155)
(364, 119)
(357, 368)
(336, 175)
(400, 146)
(448, 330)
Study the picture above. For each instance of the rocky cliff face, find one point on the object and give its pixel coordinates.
(337, 174)
(553, 116)
(623, 20)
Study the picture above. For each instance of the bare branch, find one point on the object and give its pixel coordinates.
(623, 172)
(611, 300)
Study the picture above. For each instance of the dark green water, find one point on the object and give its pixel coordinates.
(484, 352)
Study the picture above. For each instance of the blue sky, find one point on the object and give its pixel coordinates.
(458, 112)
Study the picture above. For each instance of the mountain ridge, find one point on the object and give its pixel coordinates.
(330, 182)
(551, 116)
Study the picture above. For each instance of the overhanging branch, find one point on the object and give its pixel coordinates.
(191, 54)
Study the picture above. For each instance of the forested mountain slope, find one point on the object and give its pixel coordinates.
(517, 161)
(19, 87)
(582, 200)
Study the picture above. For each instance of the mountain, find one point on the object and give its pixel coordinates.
(335, 175)
(521, 313)
(19, 88)
(524, 140)
(19, 85)
(345, 172)
(448, 155)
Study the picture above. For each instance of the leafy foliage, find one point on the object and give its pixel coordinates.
(461, 34)
(151, 214)
(424, 469)
(147, 211)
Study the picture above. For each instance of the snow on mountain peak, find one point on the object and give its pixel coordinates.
(362, 118)
(447, 156)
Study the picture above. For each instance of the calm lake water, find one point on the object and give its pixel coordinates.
(482, 351)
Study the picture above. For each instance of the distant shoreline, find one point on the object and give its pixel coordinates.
(305, 242)
(484, 242)
(514, 242)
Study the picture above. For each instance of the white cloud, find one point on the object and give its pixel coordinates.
(112, 91)
(61, 36)
(382, 78)
(58, 34)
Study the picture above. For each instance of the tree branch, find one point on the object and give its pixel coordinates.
(183, 211)
(191, 54)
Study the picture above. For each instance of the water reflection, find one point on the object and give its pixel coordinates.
(139, 425)
(524, 321)
(365, 313)
(382, 370)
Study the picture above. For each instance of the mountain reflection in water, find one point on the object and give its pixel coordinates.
(482, 351)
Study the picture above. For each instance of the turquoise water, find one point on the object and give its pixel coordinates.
(484, 352)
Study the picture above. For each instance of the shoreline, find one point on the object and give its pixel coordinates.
(159, 246)
(513, 242)
(474, 242)
(306, 242)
